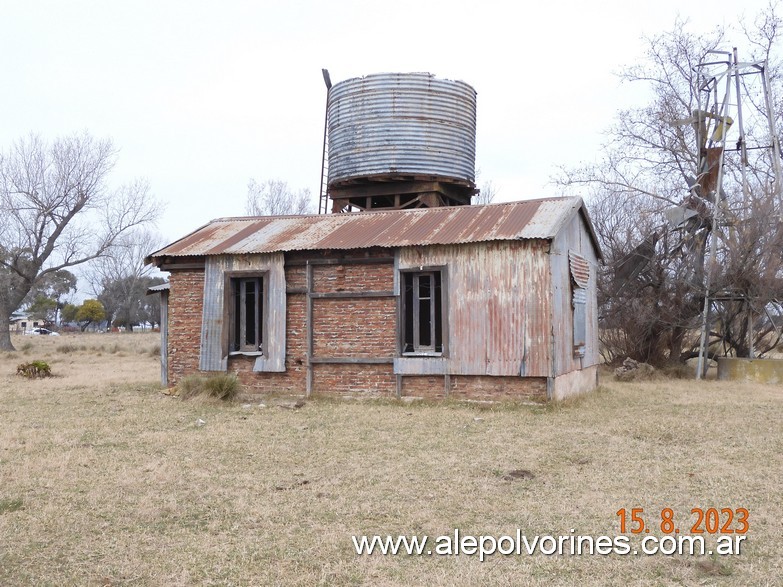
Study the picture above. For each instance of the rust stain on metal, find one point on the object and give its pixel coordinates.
(580, 269)
(202, 235)
(501, 321)
(530, 219)
(239, 236)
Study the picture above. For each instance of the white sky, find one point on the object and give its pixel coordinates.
(201, 96)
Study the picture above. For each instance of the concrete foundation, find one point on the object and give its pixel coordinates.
(573, 383)
(758, 370)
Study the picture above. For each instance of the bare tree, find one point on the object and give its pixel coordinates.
(274, 198)
(655, 219)
(120, 280)
(57, 211)
(486, 194)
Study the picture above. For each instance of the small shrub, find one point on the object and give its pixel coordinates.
(34, 369)
(222, 386)
(154, 351)
(26, 347)
(190, 386)
(115, 348)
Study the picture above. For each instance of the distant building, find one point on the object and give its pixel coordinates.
(22, 323)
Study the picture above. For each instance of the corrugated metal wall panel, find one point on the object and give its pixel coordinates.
(572, 249)
(273, 359)
(214, 355)
(498, 305)
(562, 359)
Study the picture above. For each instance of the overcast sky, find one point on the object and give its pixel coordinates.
(202, 96)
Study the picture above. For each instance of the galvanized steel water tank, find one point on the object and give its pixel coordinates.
(400, 124)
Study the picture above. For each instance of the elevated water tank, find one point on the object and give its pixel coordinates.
(391, 126)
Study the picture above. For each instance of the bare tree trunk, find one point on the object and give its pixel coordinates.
(675, 345)
(5, 331)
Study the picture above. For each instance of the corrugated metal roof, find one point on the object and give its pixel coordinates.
(158, 288)
(529, 219)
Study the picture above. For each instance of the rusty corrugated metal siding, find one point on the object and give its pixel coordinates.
(531, 219)
(214, 350)
(401, 123)
(573, 256)
(498, 312)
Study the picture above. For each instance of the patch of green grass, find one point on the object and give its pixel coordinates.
(10, 505)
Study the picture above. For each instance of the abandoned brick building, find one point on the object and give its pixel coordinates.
(405, 289)
(493, 301)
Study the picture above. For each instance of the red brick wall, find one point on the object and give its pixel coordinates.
(481, 387)
(352, 278)
(186, 300)
(354, 327)
(359, 380)
(293, 380)
(426, 386)
(343, 327)
(498, 388)
(296, 277)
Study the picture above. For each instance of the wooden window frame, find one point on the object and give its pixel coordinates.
(419, 350)
(232, 280)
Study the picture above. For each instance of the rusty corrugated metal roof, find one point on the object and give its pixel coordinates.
(529, 219)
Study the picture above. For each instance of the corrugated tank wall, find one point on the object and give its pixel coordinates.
(401, 123)
(498, 308)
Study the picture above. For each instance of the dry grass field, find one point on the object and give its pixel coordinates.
(106, 481)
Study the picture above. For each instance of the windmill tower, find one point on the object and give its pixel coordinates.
(727, 87)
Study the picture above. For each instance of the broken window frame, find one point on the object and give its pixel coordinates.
(579, 303)
(410, 312)
(236, 326)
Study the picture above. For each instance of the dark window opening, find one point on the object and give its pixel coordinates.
(579, 301)
(247, 318)
(422, 312)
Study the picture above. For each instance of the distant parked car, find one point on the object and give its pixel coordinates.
(41, 331)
